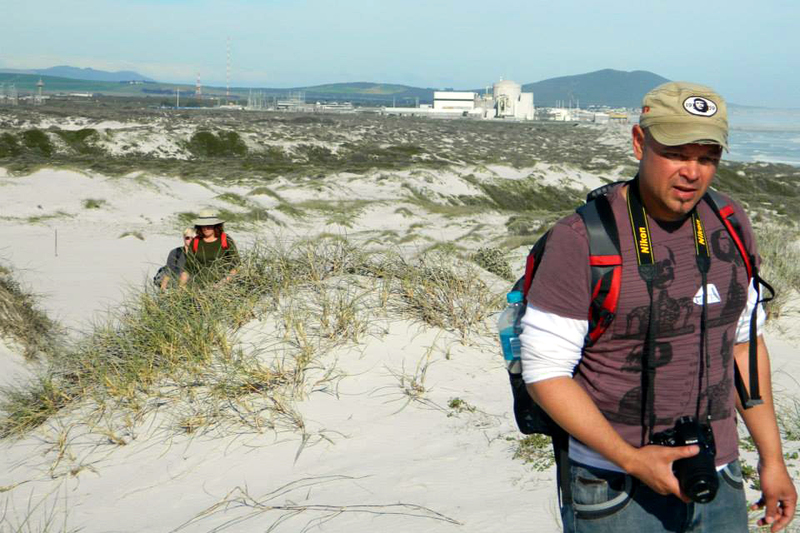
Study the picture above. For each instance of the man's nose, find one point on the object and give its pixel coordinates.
(690, 169)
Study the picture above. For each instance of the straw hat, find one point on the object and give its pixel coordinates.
(208, 217)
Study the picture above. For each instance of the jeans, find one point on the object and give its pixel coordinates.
(606, 501)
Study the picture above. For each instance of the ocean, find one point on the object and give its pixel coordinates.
(767, 135)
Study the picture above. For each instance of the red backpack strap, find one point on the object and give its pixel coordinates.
(724, 210)
(605, 262)
(195, 244)
(224, 238)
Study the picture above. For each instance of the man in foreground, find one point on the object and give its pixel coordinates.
(667, 360)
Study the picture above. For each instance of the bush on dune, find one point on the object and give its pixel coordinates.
(37, 141)
(223, 144)
(80, 140)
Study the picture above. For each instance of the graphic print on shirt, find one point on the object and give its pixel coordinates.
(673, 317)
(673, 314)
(721, 391)
(629, 410)
(723, 248)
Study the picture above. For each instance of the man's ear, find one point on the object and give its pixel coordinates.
(638, 141)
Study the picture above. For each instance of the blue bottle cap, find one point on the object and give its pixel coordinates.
(514, 297)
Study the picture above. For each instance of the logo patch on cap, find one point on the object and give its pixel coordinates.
(702, 107)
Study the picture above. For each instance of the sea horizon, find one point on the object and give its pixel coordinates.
(764, 135)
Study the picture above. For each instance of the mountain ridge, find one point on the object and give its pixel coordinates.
(606, 87)
(86, 74)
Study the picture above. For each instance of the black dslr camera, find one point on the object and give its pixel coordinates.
(697, 475)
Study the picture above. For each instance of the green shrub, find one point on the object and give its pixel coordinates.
(9, 146)
(535, 450)
(37, 141)
(77, 140)
(93, 203)
(493, 260)
(223, 144)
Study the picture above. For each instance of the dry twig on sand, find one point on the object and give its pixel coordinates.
(240, 499)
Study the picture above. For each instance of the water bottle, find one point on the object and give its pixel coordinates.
(509, 327)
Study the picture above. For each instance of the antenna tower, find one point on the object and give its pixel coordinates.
(39, 100)
(228, 73)
(198, 90)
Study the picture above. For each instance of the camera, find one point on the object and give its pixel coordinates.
(697, 475)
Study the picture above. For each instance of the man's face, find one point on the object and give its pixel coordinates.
(672, 179)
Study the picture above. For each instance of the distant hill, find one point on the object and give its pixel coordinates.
(609, 87)
(615, 88)
(88, 74)
(26, 83)
(366, 93)
(605, 87)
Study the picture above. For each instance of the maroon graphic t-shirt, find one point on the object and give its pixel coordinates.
(610, 370)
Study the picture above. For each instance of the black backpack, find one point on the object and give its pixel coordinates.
(164, 271)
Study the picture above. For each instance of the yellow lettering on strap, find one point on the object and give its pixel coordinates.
(701, 238)
(644, 244)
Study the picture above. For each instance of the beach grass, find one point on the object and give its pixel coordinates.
(779, 248)
(181, 347)
(22, 321)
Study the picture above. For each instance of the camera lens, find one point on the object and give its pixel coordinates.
(698, 477)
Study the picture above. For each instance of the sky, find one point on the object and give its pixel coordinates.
(748, 51)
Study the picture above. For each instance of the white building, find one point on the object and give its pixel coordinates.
(454, 100)
(511, 102)
(506, 101)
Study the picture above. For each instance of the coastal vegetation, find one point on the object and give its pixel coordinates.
(23, 322)
(183, 348)
(385, 222)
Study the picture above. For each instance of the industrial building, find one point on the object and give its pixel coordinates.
(454, 100)
(511, 102)
(507, 101)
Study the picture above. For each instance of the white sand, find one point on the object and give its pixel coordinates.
(366, 447)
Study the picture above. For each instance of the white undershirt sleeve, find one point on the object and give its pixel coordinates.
(551, 345)
(743, 327)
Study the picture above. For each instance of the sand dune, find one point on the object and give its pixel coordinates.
(374, 454)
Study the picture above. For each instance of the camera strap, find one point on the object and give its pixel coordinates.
(648, 270)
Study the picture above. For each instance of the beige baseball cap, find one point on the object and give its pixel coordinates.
(678, 113)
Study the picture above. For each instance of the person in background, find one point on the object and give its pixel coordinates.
(211, 256)
(176, 260)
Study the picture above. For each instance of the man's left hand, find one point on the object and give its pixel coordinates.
(778, 496)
